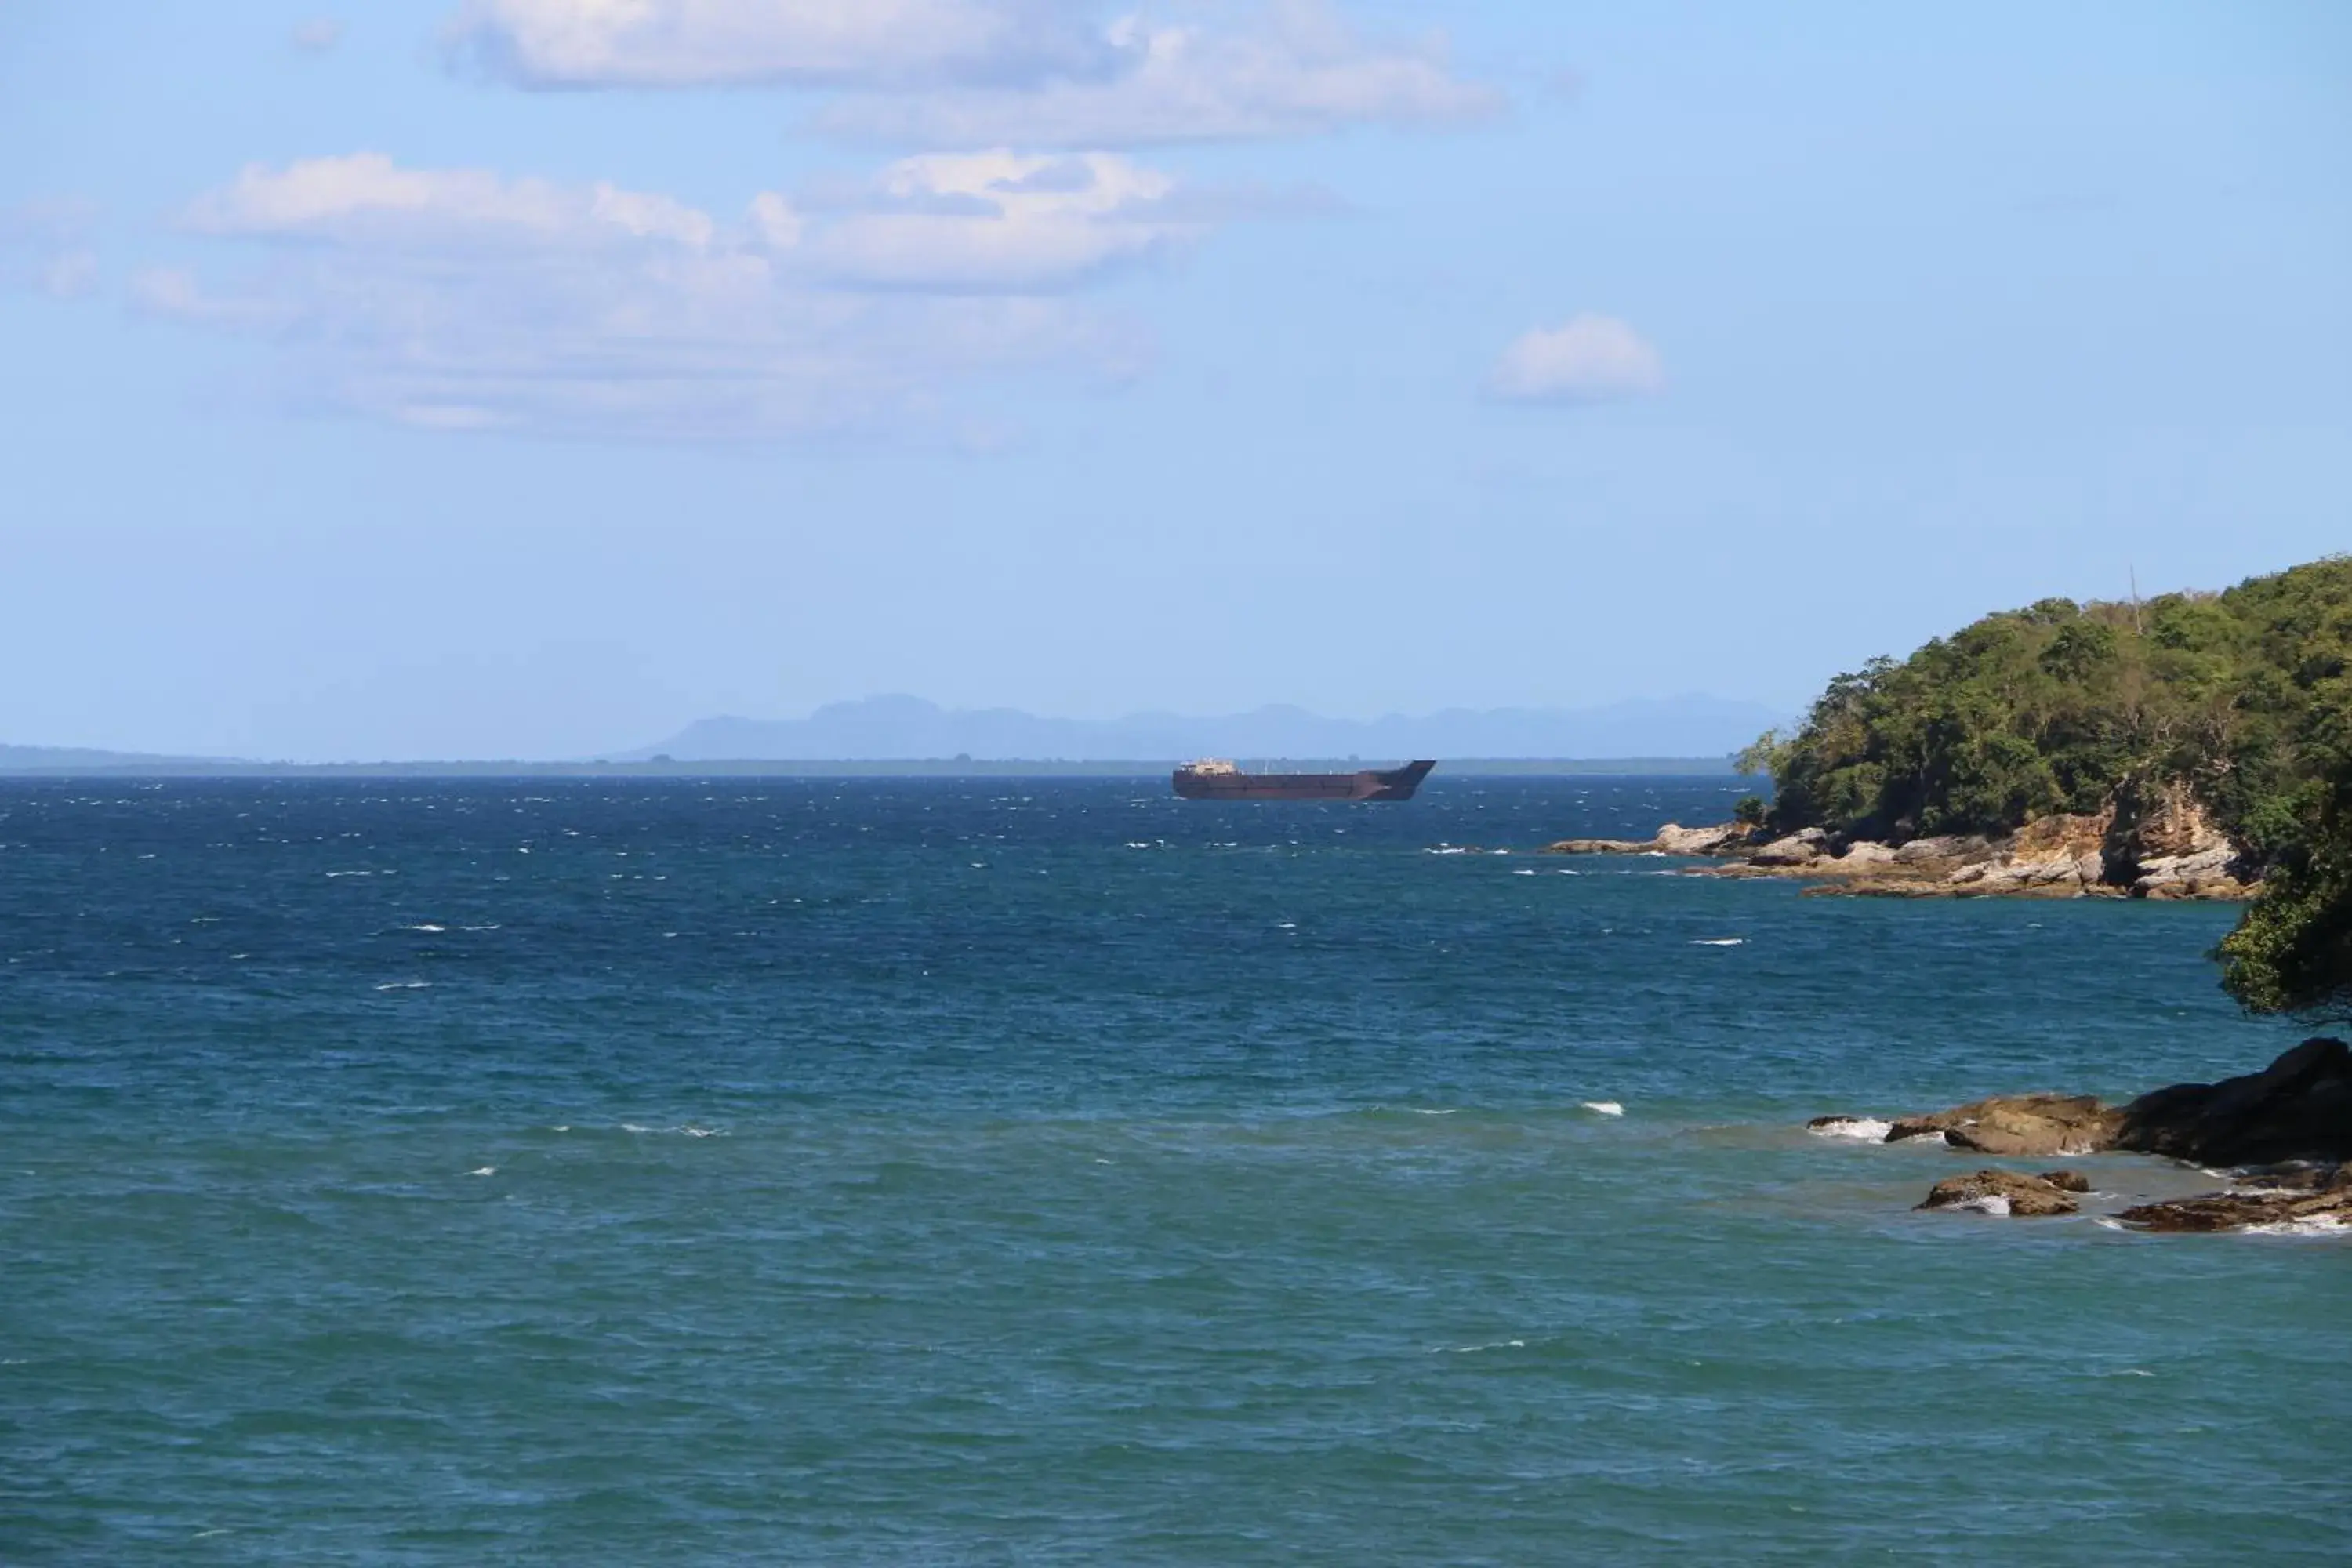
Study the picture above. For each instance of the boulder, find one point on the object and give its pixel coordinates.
(1947, 847)
(1675, 839)
(1999, 1192)
(1863, 853)
(2021, 1125)
(2298, 1107)
(2068, 1181)
(1797, 849)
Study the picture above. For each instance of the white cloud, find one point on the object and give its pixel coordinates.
(1301, 73)
(1586, 359)
(791, 43)
(317, 35)
(366, 196)
(1000, 221)
(977, 73)
(462, 298)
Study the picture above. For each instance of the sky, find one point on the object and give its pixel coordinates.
(529, 378)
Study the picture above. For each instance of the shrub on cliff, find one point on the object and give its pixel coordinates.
(2057, 707)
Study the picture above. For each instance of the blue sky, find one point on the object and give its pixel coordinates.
(530, 377)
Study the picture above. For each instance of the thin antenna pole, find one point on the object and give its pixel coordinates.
(2134, 592)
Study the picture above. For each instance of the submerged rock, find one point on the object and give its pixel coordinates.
(2000, 1192)
(2285, 1208)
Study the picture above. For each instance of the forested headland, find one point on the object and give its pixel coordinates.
(2239, 703)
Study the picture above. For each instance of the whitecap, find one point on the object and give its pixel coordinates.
(2107, 1221)
(1523, 872)
(2307, 1225)
(1603, 1107)
(1489, 1345)
(1424, 1111)
(483, 1170)
(405, 985)
(1862, 1126)
(1988, 1203)
(426, 927)
(1719, 941)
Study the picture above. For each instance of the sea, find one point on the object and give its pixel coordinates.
(987, 1171)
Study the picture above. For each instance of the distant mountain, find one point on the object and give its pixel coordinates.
(898, 728)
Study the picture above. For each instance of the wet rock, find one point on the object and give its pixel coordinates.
(2298, 1107)
(2068, 1181)
(2290, 1208)
(2022, 1125)
(1999, 1192)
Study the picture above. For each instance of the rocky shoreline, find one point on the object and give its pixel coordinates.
(2285, 1132)
(2166, 848)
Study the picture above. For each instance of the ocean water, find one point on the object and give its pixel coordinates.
(944, 1172)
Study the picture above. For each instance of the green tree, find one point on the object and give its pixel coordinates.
(2292, 951)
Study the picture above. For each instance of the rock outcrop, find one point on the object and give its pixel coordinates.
(2295, 1118)
(1723, 838)
(2298, 1107)
(2028, 1125)
(2001, 1192)
(2157, 842)
(2322, 1203)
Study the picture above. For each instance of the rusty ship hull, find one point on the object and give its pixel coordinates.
(1197, 783)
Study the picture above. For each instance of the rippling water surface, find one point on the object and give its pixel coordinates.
(938, 1172)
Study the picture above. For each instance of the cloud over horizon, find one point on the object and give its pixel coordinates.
(466, 299)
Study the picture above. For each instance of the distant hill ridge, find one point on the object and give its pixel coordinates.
(902, 728)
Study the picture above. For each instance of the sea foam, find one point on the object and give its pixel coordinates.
(1863, 1128)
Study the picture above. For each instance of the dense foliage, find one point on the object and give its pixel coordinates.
(2292, 950)
(2244, 696)
(2055, 707)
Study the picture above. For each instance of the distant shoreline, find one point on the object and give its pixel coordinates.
(17, 767)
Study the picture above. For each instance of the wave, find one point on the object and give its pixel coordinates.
(1864, 1128)
(2307, 1225)
(1603, 1107)
(1719, 941)
(1988, 1203)
(405, 985)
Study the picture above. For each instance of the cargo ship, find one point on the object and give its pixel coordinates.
(1215, 779)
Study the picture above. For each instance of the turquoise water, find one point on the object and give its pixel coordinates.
(991, 1172)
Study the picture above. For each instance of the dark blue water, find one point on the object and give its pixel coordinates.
(1051, 1172)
